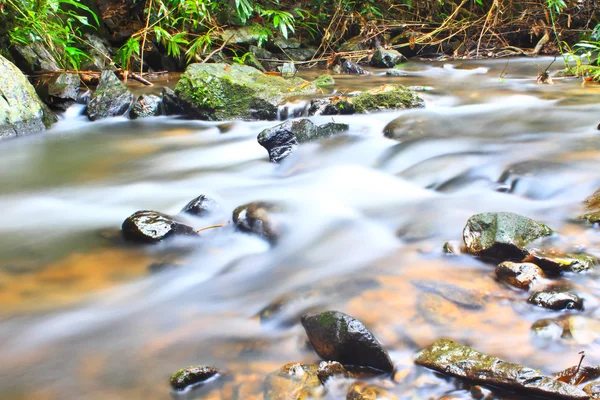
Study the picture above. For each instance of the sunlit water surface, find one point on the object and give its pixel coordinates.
(83, 316)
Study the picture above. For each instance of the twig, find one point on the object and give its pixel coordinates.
(139, 79)
(212, 53)
(144, 38)
(212, 227)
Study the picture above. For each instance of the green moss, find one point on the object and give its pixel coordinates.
(388, 97)
(331, 319)
(324, 80)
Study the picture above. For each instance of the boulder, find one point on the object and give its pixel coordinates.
(519, 275)
(251, 61)
(464, 362)
(60, 91)
(281, 139)
(293, 381)
(351, 67)
(21, 110)
(302, 54)
(324, 81)
(190, 376)
(153, 227)
(257, 218)
(147, 105)
(287, 44)
(201, 206)
(33, 57)
(386, 97)
(556, 300)
(100, 54)
(244, 35)
(261, 52)
(111, 98)
(383, 58)
(170, 104)
(502, 236)
(339, 337)
(327, 369)
(223, 92)
(555, 262)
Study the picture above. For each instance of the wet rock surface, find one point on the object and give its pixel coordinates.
(502, 236)
(60, 91)
(339, 337)
(464, 362)
(324, 81)
(383, 58)
(364, 391)
(293, 381)
(152, 227)
(222, 91)
(190, 376)
(257, 218)
(21, 110)
(453, 247)
(147, 105)
(556, 300)
(200, 206)
(111, 98)
(386, 97)
(555, 262)
(466, 298)
(350, 67)
(328, 369)
(519, 275)
(281, 139)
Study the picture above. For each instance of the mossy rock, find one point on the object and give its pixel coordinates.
(21, 110)
(189, 376)
(224, 92)
(383, 58)
(324, 80)
(111, 98)
(386, 97)
(293, 381)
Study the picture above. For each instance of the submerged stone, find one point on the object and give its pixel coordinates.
(555, 262)
(462, 297)
(223, 92)
(189, 376)
(111, 98)
(281, 139)
(147, 105)
(519, 275)
(464, 362)
(437, 310)
(257, 218)
(21, 110)
(293, 381)
(201, 206)
(339, 337)
(152, 227)
(327, 369)
(364, 391)
(324, 80)
(556, 300)
(502, 235)
(383, 58)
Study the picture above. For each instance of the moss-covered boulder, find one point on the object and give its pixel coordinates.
(386, 97)
(59, 91)
(383, 58)
(223, 92)
(502, 236)
(147, 105)
(556, 262)
(281, 139)
(324, 80)
(111, 98)
(21, 110)
(190, 376)
(464, 362)
(338, 337)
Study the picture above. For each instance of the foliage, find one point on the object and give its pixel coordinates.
(56, 24)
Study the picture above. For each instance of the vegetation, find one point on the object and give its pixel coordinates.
(191, 30)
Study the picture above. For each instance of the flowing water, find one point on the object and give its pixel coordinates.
(85, 316)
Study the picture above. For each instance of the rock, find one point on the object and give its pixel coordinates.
(556, 300)
(593, 389)
(201, 206)
(519, 275)
(111, 98)
(327, 369)
(147, 105)
(223, 92)
(290, 43)
(281, 139)
(100, 54)
(324, 80)
(303, 54)
(350, 67)
(294, 381)
(171, 105)
(578, 374)
(33, 56)
(397, 72)
(464, 362)
(60, 91)
(260, 52)
(502, 236)
(257, 218)
(363, 391)
(555, 262)
(21, 110)
(436, 310)
(153, 227)
(550, 329)
(383, 58)
(452, 247)
(355, 43)
(245, 35)
(189, 376)
(339, 337)
(592, 208)
(386, 97)
(251, 61)
(462, 297)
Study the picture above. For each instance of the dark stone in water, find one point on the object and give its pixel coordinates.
(256, 218)
(281, 139)
(502, 236)
(189, 376)
(201, 206)
(152, 227)
(339, 337)
(452, 247)
(464, 362)
(383, 58)
(350, 67)
(171, 105)
(519, 275)
(556, 300)
(327, 369)
(111, 98)
(147, 105)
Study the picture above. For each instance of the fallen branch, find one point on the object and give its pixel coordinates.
(138, 78)
(212, 227)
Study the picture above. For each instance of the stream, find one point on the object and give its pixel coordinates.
(84, 315)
